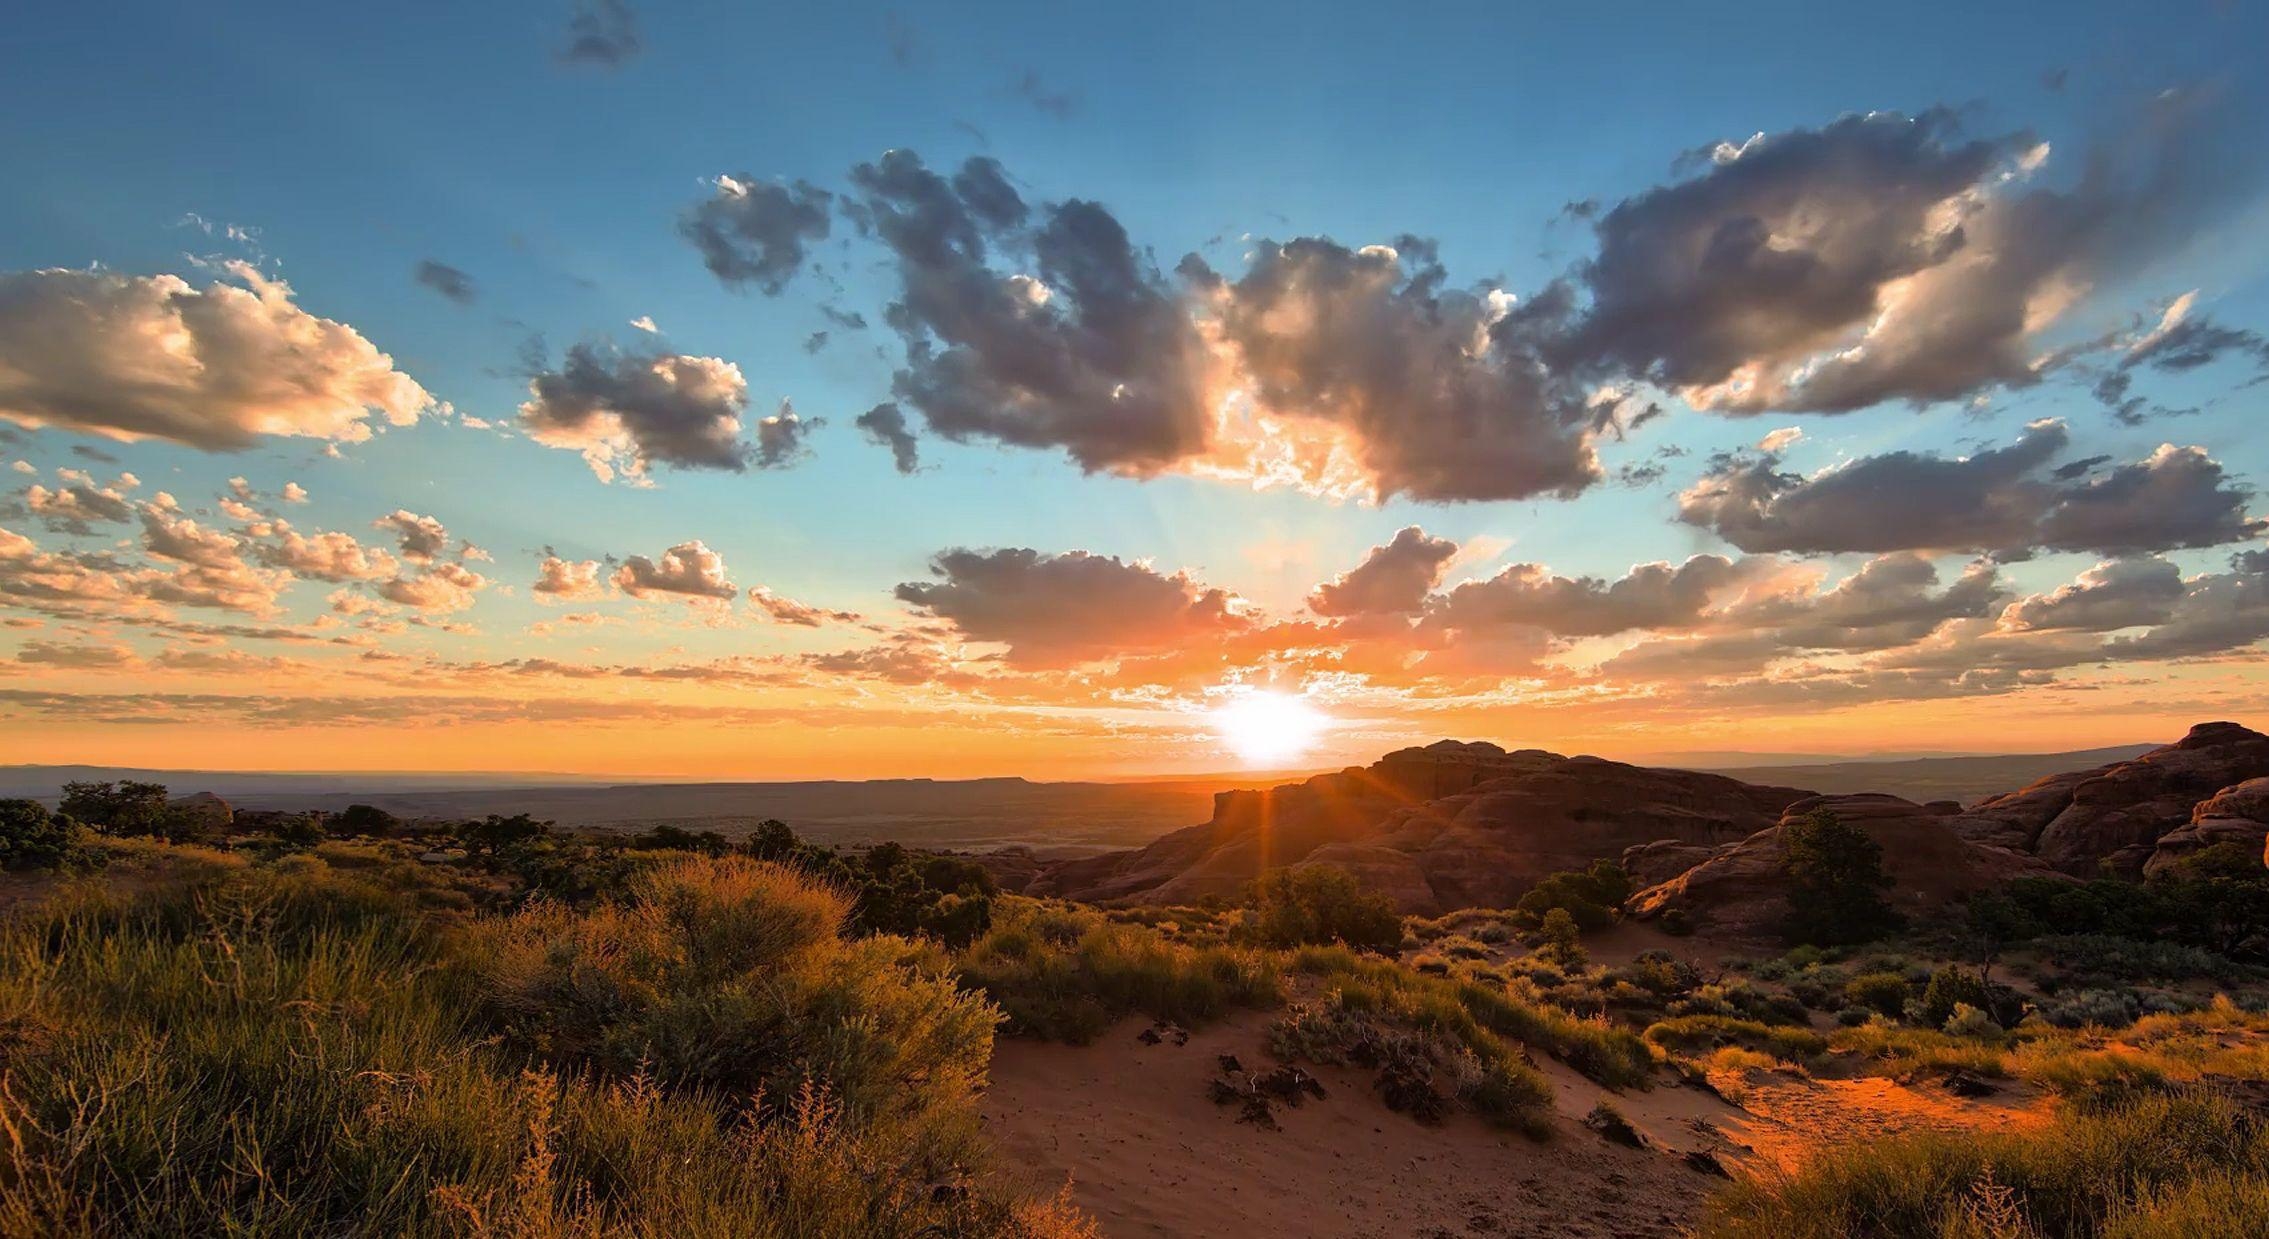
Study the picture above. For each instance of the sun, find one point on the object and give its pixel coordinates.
(1265, 727)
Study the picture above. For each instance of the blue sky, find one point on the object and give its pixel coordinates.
(353, 145)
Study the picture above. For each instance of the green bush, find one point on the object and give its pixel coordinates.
(1590, 895)
(1320, 905)
(1884, 992)
(1067, 973)
(33, 838)
(734, 975)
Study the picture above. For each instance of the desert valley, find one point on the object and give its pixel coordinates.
(1458, 991)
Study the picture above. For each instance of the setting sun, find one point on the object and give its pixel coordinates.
(1264, 727)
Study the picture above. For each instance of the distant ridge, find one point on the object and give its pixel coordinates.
(1931, 778)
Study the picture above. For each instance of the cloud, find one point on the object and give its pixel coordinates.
(422, 537)
(1656, 595)
(629, 411)
(1780, 440)
(1057, 103)
(1076, 607)
(645, 323)
(325, 556)
(561, 580)
(82, 503)
(1089, 350)
(603, 33)
(753, 233)
(2122, 593)
(1393, 579)
(885, 426)
(137, 357)
(439, 590)
(689, 571)
(2003, 500)
(1884, 257)
(293, 492)
(780, 438)
(1405, 384)
(789, 611)
(446, 280)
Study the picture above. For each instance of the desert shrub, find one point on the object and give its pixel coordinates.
(1590, 895)
(2149, 1166)
(1467, 1008)
(1318, 905)
(735, 975)
(496, 832)
(1659, 973)
(1952, 986)
(363, 819)
(1835, 882)
(1969, 1022)
(1559, 942)
(1416, 1065)
(1741, 999)
(1879, 1047)
(2107, 957)
(1067, 973)
(1884, 992)
(1696, 1034)
(2103, 1008)
(286, 1051)
(299, 830)
(1854, 1016)
(33, 838)
(668, 838)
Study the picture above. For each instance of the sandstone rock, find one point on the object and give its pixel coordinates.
(1651, 864)
(1742, 890)
(2116, 814)
(204, 808)
(2238, 814)
(1446, 826)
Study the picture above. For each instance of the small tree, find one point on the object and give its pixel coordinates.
(365, 819)
(1317, 904)
(125, 809)
(1835, 882)
(33, 838)
(1559, 940)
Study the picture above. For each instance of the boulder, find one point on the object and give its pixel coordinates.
(206, 810)
(1741, 891)
(2238, 814)
(2113, 816)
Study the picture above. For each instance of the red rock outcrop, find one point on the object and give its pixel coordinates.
(1446, 826)
(2237, 815)
(2115, 815)
(1742, 889)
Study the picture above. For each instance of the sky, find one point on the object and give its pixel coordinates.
(736, 391)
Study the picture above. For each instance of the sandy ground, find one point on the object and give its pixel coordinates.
(1130, 1126)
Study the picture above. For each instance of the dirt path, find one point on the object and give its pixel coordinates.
(1148, 1154)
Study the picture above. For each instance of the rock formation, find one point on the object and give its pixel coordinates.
(1741, 890)
(1446, 826)
(2238, 815)
(2115, 815)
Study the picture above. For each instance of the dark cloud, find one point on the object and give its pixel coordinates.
(1062, 610)
(1093, 352)
(423, 539)
(780, 438)
(446, 280)
(628, 411)
(87, 451)
(2002, 500)
(1393, 579)
(885, 426)
(1437, 400)
(1657, 595)
(601, 32)
(1057, 103)
(1883, 257)
(753, 233)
